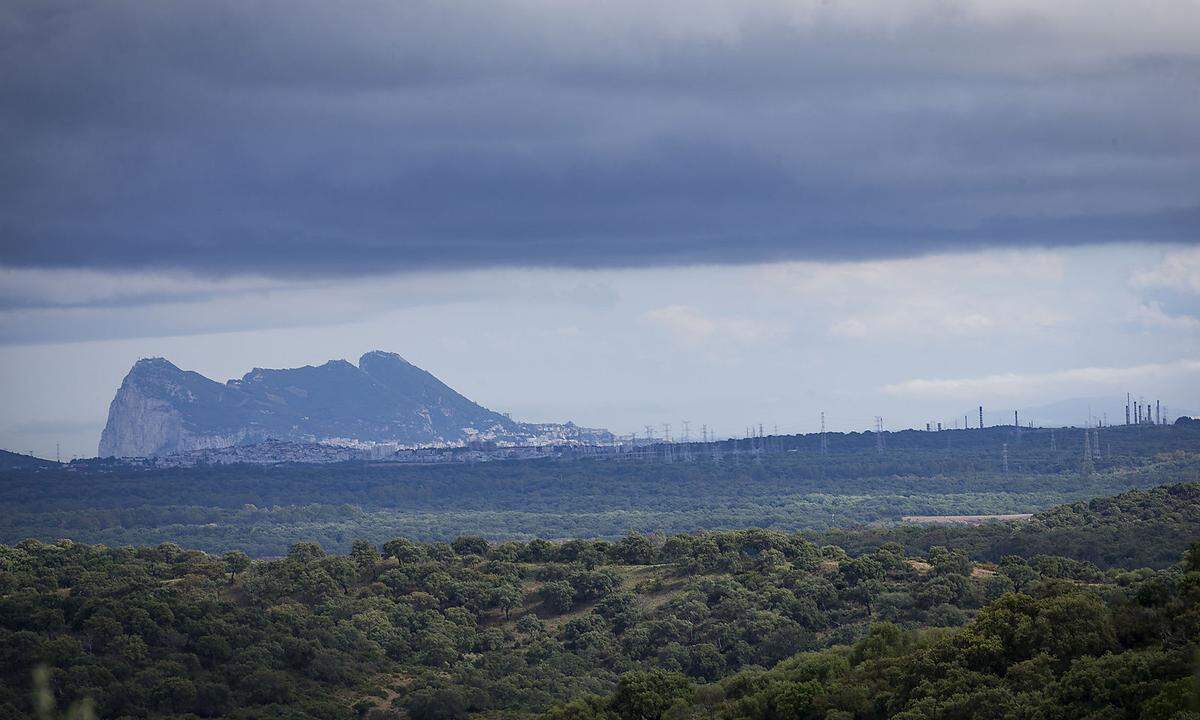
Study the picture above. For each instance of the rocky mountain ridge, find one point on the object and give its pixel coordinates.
(161, 409)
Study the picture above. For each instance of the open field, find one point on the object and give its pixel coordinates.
(964, 519)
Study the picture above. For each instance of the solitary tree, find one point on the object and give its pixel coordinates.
(506, 598)
(558, 596)
(236, 561)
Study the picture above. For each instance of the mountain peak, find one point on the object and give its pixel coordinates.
(381, 355)
(384, 399)
(152, 364)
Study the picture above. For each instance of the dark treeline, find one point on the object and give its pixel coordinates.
(750, 624)
(1121, 440)
(264, 510)
(921, 462)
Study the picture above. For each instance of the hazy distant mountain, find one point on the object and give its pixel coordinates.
(160, 409)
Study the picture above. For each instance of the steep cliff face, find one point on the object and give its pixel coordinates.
(140, 425)
(154, 413)
(161, 409)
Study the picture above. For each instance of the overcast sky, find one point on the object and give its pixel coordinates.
(619, 213)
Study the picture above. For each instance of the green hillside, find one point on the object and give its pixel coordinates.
(747, 624)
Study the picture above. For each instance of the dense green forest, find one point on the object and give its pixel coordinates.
(784, 484)
(752, 624)
(1140, 528)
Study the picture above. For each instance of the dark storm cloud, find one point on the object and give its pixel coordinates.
(299, 138)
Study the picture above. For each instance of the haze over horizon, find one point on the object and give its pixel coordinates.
(728, 346)
(616, 215)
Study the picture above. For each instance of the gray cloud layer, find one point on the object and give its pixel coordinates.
(306, 138)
